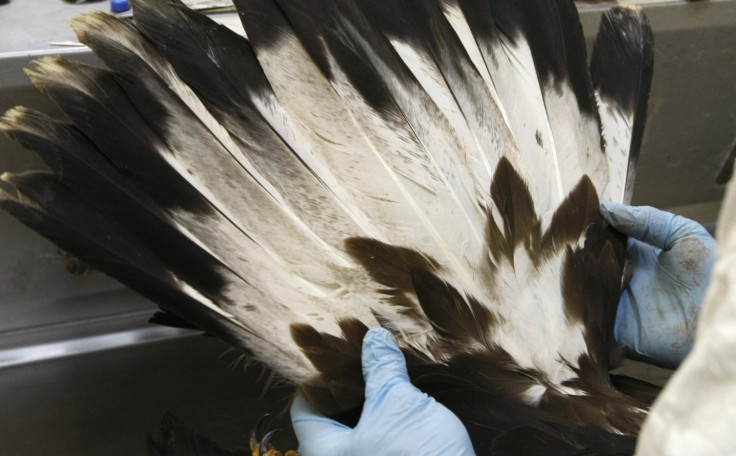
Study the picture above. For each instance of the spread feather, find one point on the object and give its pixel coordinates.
(432, 166)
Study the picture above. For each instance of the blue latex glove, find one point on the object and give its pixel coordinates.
(397, 418)
(672, 259)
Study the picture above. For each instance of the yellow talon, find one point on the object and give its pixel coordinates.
(273, 452)
(264, 447)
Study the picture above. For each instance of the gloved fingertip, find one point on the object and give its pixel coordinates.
(382, 360)
(380, 348)
(610, 206)
(380, 336)
(645, 223)
(620, 216)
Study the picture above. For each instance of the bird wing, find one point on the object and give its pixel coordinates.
(432, 166)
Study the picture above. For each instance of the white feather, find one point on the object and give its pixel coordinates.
(616, 129)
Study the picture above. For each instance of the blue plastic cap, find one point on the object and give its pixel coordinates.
(118, 6)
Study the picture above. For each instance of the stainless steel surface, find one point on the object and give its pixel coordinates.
(79, 344)
(31, 25)
(105, 403)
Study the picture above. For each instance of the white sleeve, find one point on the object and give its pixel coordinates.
(696, 412)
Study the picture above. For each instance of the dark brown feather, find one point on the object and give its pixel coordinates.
(456, 318)
(339, 387)
(514, 202)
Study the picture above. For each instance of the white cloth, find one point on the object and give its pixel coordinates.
(696, 412)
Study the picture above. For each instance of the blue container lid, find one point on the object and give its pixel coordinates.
(118, 6)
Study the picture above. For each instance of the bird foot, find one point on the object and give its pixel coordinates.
(263, 446)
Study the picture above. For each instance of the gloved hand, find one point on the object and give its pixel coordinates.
(397, 418)
(672, 259)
